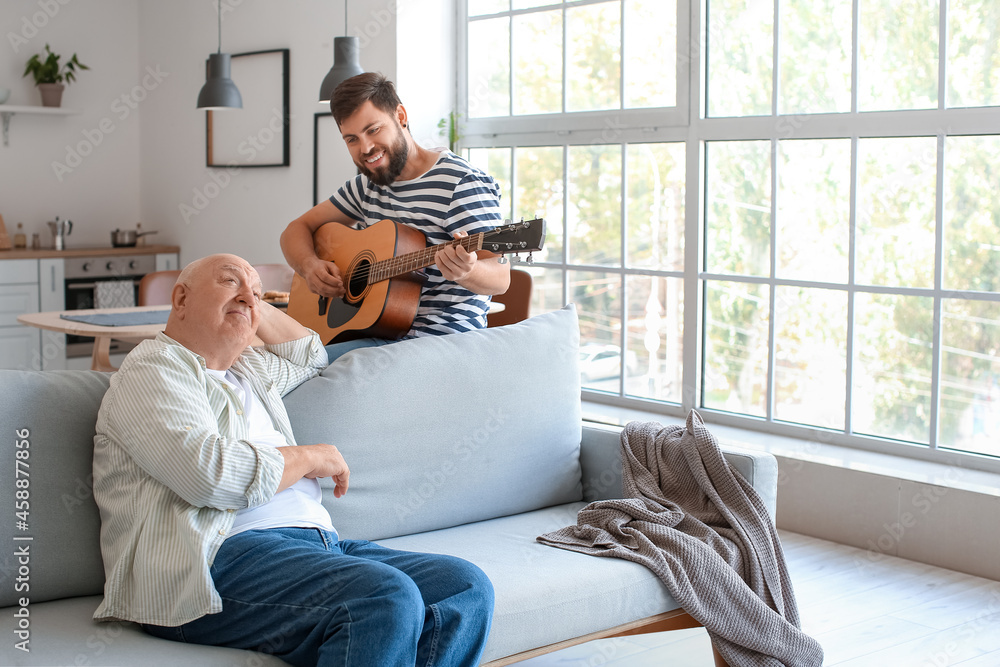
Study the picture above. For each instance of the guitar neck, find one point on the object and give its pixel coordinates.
(414, 261)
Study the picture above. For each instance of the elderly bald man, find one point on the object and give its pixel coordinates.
(212, 529)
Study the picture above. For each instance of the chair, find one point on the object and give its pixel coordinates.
(275, 277)
(516, 300)
(155, 288)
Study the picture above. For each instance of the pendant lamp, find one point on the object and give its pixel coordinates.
(345, 63)
(219, 91)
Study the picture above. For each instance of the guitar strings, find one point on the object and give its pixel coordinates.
(414, 260)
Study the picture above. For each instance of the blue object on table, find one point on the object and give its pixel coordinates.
(122, 319)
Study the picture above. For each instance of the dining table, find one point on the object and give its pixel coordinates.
(102, 324)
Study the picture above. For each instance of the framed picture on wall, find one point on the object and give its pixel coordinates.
(256, 135)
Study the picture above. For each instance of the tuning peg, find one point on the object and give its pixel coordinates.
(531, 259)
(502, 260)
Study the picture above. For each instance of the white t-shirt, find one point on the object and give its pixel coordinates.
(297, 506)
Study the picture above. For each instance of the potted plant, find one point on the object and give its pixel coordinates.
(49, 76)
(449, 126)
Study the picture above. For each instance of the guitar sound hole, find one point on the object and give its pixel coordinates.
(358, 282)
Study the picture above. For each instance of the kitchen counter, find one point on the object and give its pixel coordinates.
(98, 251)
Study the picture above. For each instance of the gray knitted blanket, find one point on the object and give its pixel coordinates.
(703, 530)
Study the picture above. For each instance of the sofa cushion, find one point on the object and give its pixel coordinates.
(63, 632)
(55, 413)
(543, 594)
(444, 430)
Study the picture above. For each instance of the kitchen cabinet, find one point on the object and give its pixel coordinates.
(166, 261)
(51, 296)
(20, 347)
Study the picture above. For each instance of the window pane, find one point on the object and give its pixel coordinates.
(650, 53)
(546, 289)
(972, 213)
(813, 216)
(598, 302)
(489, 68)
(595, 182)
(529, 4)
(654, 355)
(810, 362)
(738, 207)
(815, 56)
(736, 326)
(655, 225)
(892, 369)
(593, 57)
(970, 383)
(740, 57)
(898, 54)
(973, 56)
(480, 7)
(496, 163)
(538, 63)
(895, 218)
(540, 188)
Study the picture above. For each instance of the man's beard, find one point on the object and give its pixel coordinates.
(396, 155)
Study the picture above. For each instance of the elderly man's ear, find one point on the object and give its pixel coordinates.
(178, 298)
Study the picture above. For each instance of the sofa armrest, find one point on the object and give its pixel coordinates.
(600, 460)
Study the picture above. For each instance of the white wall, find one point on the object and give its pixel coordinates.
(148, 163)
(83, 167)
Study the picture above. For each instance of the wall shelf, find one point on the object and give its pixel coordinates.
(8, 110)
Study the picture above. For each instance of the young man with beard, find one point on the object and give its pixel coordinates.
(437, 193)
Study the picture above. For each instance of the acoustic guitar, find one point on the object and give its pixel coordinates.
(381, 269)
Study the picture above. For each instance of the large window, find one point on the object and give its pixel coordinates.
(783, 213)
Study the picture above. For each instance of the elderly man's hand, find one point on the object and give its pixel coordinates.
(313, 461)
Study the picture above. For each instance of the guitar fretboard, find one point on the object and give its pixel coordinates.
(413, 261)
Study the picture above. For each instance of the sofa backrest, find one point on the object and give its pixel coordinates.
(444, 430)
(47, 422)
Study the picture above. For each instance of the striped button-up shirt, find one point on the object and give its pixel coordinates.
(172, 465)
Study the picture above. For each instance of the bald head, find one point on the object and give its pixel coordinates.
(200, 269)
(215, 308)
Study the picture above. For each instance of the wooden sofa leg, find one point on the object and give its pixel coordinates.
(719, 660)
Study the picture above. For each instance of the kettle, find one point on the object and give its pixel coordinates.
(60, 230)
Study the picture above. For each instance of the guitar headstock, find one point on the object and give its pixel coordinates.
(523, 236)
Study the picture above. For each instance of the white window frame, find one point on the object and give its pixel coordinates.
(687, 123)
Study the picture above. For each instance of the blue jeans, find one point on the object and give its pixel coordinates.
(309, 599)
(335, 350)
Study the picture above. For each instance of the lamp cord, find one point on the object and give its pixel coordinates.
(220, 26)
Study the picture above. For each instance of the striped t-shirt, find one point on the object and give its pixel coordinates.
(451, 196)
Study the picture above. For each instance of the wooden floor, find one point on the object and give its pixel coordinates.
(864, 608)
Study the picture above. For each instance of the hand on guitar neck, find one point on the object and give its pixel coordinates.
(463, 266)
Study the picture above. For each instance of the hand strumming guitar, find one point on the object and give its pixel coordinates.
(323, 278)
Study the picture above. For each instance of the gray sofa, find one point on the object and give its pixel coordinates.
(470, 445)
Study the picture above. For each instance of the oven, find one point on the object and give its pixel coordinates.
(82, 275)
